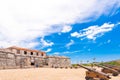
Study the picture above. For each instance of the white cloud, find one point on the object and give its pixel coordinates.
(56, 53)
(108, 41)
(45, 43)
(48, 50)
(71, 52)
(25, 20)
(70, 43)
(103, 43)
(66, 29)
(67, 52)
(75, 34)
(28, 44)
(93, 32)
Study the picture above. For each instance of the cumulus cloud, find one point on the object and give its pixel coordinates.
(75, 34)
(28, 44)
(93, 32)
(45, 43)
(70, 43)
(25, 20)
(66, 29)
(48, 50)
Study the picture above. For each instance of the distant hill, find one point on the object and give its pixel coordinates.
(115, 62)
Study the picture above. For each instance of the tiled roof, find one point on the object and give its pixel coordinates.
(56, 57)
(20, 48)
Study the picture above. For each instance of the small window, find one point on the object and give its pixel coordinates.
(25, 52)
(37, 54)
(31, 53)
(18, 51)
(42, 54)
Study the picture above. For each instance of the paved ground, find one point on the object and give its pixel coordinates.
(44, 74)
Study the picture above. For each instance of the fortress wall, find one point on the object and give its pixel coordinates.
(8, 59)
(58, 61)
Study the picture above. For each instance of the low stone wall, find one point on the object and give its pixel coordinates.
(58, 61)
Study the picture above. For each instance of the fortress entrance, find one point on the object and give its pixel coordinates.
(32, 63)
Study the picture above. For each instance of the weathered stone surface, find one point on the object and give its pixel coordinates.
(58, 61)
(9, 59)
(11, 56)
(11, 62)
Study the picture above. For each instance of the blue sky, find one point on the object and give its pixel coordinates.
(105, 47)
(79, 29)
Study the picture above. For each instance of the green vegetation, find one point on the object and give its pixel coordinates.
(89, 64)
(74, 65)
(117, 63)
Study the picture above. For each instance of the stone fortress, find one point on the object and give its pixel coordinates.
(17, 57)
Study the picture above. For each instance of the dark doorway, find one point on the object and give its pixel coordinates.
(32, 63)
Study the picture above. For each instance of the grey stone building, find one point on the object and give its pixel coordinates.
(16, 57)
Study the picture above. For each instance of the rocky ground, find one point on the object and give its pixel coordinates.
(44, 74)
